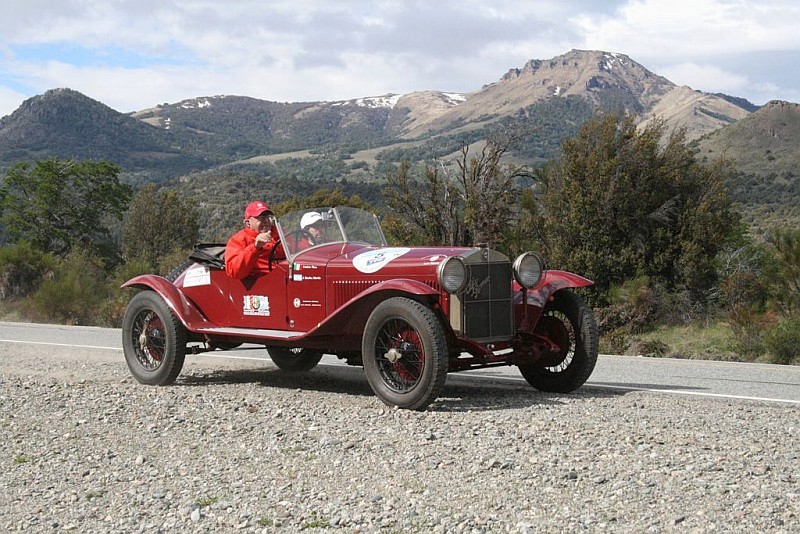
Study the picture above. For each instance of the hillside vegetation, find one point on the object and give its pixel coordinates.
(208, 156)
(765, 149)
(634, 210)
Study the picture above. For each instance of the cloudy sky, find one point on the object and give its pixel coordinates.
(134, 54)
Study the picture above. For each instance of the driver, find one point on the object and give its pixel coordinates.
(249, 249)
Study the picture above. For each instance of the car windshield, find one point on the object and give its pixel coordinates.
(303, 229)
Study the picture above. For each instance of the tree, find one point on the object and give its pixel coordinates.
(321, 197)
(622, 203)
(522, 234)
(57, 204)
(424, 212)
(468, 204)
(159, 223)
(784, 270)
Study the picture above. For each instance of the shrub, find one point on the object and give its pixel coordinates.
(649, 347)
(632, 309)
(169, 261)
(614, 342)
(748, 328)
(783, 341)
(73, 294)
(111, 311)
(743, 289)
(22, 269)
(784, 269)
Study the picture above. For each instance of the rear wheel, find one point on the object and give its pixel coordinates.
(569, 323)
(153, 340)
(405, 354)
(294, 360)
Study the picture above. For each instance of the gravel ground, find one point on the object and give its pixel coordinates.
(247, 448)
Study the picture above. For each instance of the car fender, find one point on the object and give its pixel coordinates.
(184, 309)
(552, 281)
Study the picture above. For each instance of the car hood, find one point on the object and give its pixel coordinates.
(390, 262)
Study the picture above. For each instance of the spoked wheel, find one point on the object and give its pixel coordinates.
(294, 360)
(569, 323)
(405, 354)
(153, 340)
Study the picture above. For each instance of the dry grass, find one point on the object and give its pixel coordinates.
(698, 342)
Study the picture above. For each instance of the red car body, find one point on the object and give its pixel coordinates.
(374, 305)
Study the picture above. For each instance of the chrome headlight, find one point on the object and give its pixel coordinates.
(452, 274)
(528, 269)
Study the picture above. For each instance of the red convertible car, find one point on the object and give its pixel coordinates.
(408, 315)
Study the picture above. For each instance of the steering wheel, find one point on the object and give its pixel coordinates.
(273, 254)
(300, 235)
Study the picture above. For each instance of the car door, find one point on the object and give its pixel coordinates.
(259, 300)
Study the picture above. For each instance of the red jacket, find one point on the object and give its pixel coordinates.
(242, 257)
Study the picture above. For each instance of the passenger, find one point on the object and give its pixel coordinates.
(249, 249)
(314, 229)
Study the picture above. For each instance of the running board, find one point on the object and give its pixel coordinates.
(251, 332)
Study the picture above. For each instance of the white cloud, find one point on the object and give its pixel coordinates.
(693, 28)
(132, 54)
(9, 100)
(708, 78)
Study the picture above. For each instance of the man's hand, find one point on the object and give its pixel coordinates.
(263, 238)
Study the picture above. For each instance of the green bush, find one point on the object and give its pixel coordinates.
(783, 341)
(743, 289)
(22, 269)
(651, 347)
(632, 308)
(169, 261)
(614, 341)
(784, 269)
(111, 310)
(748, 327)
(74, 293)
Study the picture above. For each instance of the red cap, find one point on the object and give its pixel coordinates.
(254, 209)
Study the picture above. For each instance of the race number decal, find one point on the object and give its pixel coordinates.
(374, 261)
(256, 305)
(198, 276)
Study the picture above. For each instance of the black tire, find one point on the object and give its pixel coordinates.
(405, 353)
(294, 360)
(568, 322)
(153, 340)
(177, 271)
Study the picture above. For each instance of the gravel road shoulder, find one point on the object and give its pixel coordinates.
(243, 447)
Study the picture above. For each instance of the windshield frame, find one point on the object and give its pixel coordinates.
(344, 224)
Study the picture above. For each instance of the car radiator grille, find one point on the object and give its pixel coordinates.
(486, 303)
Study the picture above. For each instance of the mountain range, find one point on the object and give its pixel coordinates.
(209, 139)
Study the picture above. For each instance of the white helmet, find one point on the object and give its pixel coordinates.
(309, 218)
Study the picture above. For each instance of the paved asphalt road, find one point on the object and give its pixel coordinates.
(758, 382)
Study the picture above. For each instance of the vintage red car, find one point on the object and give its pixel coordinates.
(408, 315)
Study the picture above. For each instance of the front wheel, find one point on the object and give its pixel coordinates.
(153, 340)
(405, 353)
(569, 323)
(294, 360)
